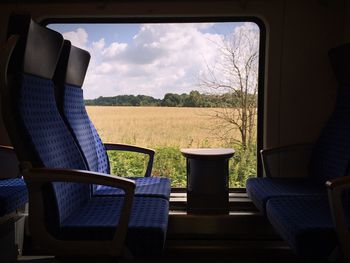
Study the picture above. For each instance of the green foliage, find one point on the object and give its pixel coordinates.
(124, 100)
(193, 99)
(170, 163)
(127, 163)
(243, 166)
(171, 100)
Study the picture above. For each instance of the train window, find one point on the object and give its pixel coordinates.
(169, 86)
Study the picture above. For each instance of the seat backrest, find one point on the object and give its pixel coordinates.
(331, 154)
(36, 129)
(69, 78)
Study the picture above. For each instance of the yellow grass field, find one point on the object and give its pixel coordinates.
(165, 129)
(155, 126)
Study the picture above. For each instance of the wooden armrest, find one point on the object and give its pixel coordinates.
(44, 175)
(6, 148)
(37, 177)
(295, 150)
(338, 183)
(335, 189)
(132, 148)
(293, 147)
(128, 147)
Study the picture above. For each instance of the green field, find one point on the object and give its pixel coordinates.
(166, 130)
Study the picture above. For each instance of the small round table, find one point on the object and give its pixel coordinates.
(207, 179)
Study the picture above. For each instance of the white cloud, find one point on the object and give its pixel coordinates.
(99, 45)
(159, 59)
(114, 50)
(78, 38)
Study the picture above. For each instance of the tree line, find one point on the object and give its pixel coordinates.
(193, 99)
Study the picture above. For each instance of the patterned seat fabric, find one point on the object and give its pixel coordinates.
(43, 132)
(260, 190)
(13, 195)
(49, 136)
(53, 144)
(330, 159)
(331, 154)
(146, 186)
(102, 156)
(79, 125)
(299, 210)
(97, 220)
(305, 223)
(75, 208)
(78, 121)
(92, 148)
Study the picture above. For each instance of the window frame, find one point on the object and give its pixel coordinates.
(189, 19)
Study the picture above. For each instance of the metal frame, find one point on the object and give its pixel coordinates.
(335, 189)
(36, 178)
(132, 148)
(297, 149)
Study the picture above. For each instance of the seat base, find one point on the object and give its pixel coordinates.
(97, 220)
(145, 186)
(305, 223)
(260, 190)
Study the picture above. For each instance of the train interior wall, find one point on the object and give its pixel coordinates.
(299, 89)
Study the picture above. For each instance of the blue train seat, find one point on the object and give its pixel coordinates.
(329, 156)
(69, 77)
(316, 226)
(64, 218)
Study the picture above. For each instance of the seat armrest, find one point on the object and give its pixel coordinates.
(44, 175)
(339, 183)
(335, 189)
(37, 177)
(294, 156)
(132, 148)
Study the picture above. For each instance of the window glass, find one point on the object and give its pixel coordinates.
(169, 86)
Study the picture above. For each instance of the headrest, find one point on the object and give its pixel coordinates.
(72, 65)
(340, 60)
(38, 49)
(42, 51)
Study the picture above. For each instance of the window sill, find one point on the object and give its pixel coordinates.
(238, 201)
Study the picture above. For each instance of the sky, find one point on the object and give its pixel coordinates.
(148, 59)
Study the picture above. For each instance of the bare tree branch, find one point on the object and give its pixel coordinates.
(236, 74)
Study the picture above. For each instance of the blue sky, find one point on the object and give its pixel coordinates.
(110, 32)
(149, 59)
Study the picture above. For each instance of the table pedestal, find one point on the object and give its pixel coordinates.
(207, 180)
